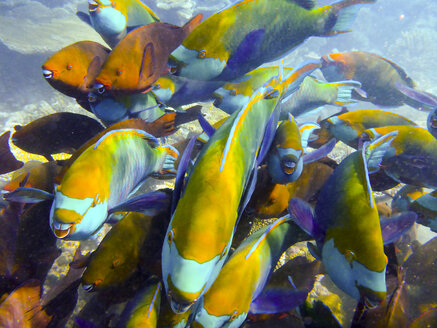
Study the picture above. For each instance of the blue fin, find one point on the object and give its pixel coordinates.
(393, 228)
(269, 135)
(180, 173)
(424, 99)
(305, 129)
(321, 152)
(278, 300)
(207, 128)
(151, 203)
(84, 17)
(27, 195)
(303, 215)
(246, 51)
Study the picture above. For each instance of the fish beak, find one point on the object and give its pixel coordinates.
(61, 230)
(92, 6)
(47, 73)
(179, 307)
(288, 165)
(92, 98)
(89, 288)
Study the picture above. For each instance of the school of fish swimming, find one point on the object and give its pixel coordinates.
(183, 257)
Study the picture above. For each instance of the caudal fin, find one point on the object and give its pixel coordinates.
(343, 14)
(168, 170)
(344, 92)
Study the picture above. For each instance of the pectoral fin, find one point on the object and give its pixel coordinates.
(28, 195)
(150, 203)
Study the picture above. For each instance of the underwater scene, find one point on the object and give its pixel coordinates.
(218, 163)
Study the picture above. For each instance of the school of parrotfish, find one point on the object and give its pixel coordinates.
(183, 256)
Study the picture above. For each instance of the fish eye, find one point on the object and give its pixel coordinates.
(114, 4)
(88, 288)
(119, 72)
(69, 67)
(116, 263)
(202, 54)
(47, 74)
(100, 88)
(170, 236)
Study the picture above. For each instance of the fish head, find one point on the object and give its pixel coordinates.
(343, 130)
(285, 164)
(187, 279)
(76, 219)
(334, 67)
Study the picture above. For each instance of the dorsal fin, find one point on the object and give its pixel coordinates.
(400, 71)
(146, 136)
(264, 235)
(307, 4)
(147, 67)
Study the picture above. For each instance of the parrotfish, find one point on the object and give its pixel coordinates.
(351, 248)
(195, 249)
(405, 196)
(380, 77)
(249, 33)
(270, 200)
(113, 19)
(411, 157)
(249, 268)
(286, 158)
(72, 69)
(143, 309)
(348, 127)
(111, 265)
(141, 57)
(55, 133)
(311, 94)
(103, 177)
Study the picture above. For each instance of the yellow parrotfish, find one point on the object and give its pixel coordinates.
(351, 247)
(141, 57)
(195, 249)
(411, 157)
(348, 126)
(249, 33)
(113, 19)
(249, 268)
(311, 94)
(381, 79)
(103, 177)
(111, 265)
(72, 69)
(143, 309)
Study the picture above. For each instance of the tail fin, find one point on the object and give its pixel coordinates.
(342, 15)
(192, 24)
(168, 170)
(344, 92)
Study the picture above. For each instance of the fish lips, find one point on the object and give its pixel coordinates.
(62, 230)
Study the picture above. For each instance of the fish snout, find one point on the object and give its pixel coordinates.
(48, 74)
(62, 230)
(289, 164)
(178, 306)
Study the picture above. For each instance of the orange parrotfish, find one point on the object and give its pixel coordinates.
(72, 69)
(249, 33)
(141, 57)
(113, 19)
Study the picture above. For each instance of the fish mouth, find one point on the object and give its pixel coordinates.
(92, 6)
(179, 307)
(62, 230)
(288, 165)
(47, 73)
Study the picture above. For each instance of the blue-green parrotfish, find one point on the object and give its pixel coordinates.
(195, 249)
(113, 19)
(249, 33)
(351, 248)
(381, 79)
(311, 94)
(348, 127)
(411, 157)
(249, 268)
